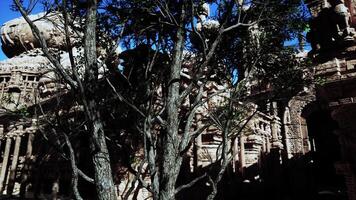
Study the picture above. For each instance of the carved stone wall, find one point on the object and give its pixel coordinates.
(335, 66)
(297, 140)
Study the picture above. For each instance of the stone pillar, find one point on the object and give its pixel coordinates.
(286, 124)
(235, 154)
(1, 135)
(28, 159)
(2, 93)
(264, 144)
(31, 135)
(29, 147)
(274, 127)
(5, 162)
(242, 153)
(268, 144)
(15, 158)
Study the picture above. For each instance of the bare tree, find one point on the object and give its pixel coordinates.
(185, 52)
(86, 89)
(166, 146)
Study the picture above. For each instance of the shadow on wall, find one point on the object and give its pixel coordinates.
(311, 176)
(301, 177)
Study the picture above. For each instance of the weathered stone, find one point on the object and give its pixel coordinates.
(17, 37)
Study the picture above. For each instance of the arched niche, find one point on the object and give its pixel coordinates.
(295, 126)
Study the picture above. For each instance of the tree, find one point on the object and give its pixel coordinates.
(164, 38)
(86, 89)
(219, 46)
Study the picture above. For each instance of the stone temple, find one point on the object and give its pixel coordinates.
(26, 80)
(303, 147)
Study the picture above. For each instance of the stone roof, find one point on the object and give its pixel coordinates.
(32, 62)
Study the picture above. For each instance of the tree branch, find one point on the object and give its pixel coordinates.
(38, 35)
(190, 184)
(74, 168)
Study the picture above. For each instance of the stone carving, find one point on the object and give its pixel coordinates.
(17, 37)
(331, 26)
(342, 17)
(293, 122)
(19, 79)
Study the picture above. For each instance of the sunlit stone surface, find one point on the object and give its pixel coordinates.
(17, 37)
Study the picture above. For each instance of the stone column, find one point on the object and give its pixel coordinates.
(274, 126)
(28, 159)
(264, 144)
(235, 154)
(1, 135)
(2, 93)
(268, 143)
(15, 158)
(286, 124)
(29, 147)
(242, 153)
(5, 162)
(274, 133)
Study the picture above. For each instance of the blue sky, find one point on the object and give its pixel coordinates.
(7, 14)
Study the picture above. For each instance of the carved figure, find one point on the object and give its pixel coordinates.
(341, 19)
(331, 26)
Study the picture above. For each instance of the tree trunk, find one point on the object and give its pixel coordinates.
(100, 155)
(103, 175)
(171, 160)
(151, 158)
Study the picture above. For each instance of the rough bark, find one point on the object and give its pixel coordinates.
(103, 177)
(100, 156)
(171, 160)
(151, 158)
(102, 170)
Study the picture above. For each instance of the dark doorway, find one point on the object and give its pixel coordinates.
(325, 153)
